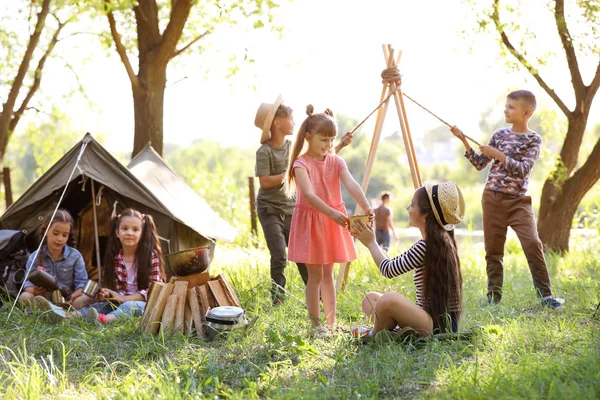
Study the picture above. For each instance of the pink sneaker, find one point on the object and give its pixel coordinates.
(362, 332)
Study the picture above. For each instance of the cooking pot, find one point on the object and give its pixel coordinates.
(191, 261)
(221, 320)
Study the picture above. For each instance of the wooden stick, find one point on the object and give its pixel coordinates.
(180, 291)
(398, 98)
(345, 267)
(441, 120)
(188, 319)
(196, 311)
(372, 112)
(153, 322)
(229, 290)
(410, 152)
(168, 317)
(218, 293)
(204, 297)
(155, 290)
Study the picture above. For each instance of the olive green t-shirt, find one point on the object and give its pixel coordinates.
(273, 161)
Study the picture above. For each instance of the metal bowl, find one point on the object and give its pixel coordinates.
(189, 261)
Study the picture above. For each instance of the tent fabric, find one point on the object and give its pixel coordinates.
(183, 203)
(121, 185)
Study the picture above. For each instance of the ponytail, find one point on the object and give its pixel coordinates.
(149, 243)
(289, 184)
(316, 124)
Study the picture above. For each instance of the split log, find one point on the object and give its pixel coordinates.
(188, 321)
(181, 305)
(166, 324)
(205, 298)
(155, 290)
(218, 293)
(194, 280)
(180, 291)
(197, 314)
(229, 291)
(157, 311)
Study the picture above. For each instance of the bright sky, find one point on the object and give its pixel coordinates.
(330, 55)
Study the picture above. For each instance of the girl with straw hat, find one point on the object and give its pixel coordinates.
(434, 209)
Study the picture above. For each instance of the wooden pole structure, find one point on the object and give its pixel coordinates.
(253, 224)
(7, 186)
(96, 238)
(395, 92)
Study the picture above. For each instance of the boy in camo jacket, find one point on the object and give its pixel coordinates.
(513, 152)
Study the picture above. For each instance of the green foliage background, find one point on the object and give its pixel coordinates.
(220, 174)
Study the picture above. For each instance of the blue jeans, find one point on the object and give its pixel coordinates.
(383, 238)
(127, 309)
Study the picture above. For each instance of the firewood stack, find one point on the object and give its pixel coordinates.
(181, 304)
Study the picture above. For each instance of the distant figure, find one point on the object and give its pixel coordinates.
(273, 207)
(384, 222)
(319, 236)
(512, 152)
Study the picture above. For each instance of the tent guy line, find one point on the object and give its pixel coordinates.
(83, 146)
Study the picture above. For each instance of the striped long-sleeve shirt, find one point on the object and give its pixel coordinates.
(412, 259)
(512, 175)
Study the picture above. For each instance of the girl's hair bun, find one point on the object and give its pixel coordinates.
(328, 112)
(310, 109)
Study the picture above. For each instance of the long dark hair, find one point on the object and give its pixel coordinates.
(61, 216)
(148, 243)
(442, 279)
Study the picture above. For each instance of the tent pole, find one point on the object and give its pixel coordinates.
(96, 238)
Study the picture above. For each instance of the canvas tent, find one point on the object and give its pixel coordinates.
(183, 219)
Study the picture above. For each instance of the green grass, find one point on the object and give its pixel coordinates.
(526, 351)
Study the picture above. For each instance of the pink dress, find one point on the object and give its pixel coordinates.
(314, 237)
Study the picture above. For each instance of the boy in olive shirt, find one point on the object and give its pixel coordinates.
(273, 207)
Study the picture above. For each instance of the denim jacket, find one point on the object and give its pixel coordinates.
(69, 270)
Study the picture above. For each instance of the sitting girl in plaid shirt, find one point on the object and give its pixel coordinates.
(133, 260)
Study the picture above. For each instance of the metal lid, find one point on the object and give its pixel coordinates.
(226, 312)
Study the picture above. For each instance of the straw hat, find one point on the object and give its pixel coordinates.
(264, 118)
(447, 203)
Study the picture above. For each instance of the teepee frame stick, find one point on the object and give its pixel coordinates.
(392, 91)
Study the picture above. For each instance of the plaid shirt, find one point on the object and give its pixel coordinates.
(121, 275)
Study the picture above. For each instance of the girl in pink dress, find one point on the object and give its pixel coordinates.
(318, 234)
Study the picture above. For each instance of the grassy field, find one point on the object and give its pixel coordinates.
(525, 351)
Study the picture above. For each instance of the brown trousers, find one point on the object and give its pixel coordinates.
(501, 210)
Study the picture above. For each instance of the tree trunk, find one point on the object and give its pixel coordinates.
(561, 196)
(148, 100)
(554, 225)
(5, 134)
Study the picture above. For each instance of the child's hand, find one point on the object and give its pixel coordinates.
(109, 295)
(492, 152)
(39, 291)
(346, 139)
(371, 215)
(339, 218)
(458, 133)
(364, 233)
